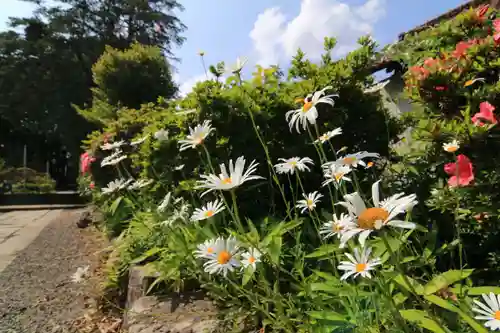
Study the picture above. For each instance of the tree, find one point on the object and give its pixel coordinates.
(48, 68)
(128, 79)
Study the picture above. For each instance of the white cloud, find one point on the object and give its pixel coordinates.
(275, 38)
(186, 86)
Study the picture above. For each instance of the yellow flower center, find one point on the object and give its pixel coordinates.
(349, 160)
(309, 203)
(251, 260)
(372, 218)
(324, 137)
(293, 163)
(227, 180)
(210, 250)
(337, 227)
(497, 315)
(209, 213)
(451, 149)
(224, 257)
(307, 106)
(338, 176)
(198, 140)
(360, 268)
(369, 164)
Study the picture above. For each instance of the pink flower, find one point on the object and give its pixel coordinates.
(419, 72)
(462, 47)
(85, 162)
(92, 185)
(496, 27)
(461, 172)
(429, 62)
(485, 115)
(440, 88)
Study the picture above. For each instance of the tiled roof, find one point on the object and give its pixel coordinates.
(452, 13)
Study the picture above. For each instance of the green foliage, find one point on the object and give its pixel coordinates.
(25, 180)
(453, 70)
(131, 77)
(423, 279)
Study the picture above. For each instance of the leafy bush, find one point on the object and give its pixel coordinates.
(25, 180)
(453, 77)
(127, 79)
(383, 240)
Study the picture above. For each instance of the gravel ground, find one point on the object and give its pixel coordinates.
(36, 290)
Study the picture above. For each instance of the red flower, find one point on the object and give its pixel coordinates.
(440, 88)
(92, 185)
(496, 27)
(85, 162)
(462, 47)
(461, 172)
(485, 115)
(419, 72)
(481, 11)
(106, 137)
(430, 62)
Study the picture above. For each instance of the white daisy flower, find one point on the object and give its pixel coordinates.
(206, 250)
(179, 167)
(451, 147)
(140, 184)
(376, 87)
(359, 264)
(114, 185)
(308, 112)
(227, 181)
(383, 213)
(291, 164)
(238, 66)
(161, 135)
(80, 274)
(114, 158)
(353, 160)
(337, 226)
(335, 173)
(114, 145)
(251, 258)
(489, 311)
(223, 259)
(164, 203)
(196, 136)
(309, 202)
(127, 183)
(139, 141)
(207, 211)
(328, 135)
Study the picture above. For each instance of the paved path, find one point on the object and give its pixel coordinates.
(19, 228)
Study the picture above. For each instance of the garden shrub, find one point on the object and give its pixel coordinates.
(128, 78)
(453, 75)
(344, 258)
(26, 180)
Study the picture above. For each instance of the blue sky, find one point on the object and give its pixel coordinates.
(269, 31)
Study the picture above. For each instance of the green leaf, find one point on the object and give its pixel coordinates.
(247, 275)
(421, 318)
(476, 291)
(401, 281)
(450, 307)
(146, 255)
(446, 279)
(399, 298)
(327, 315)
(331, 288)
(114, 206)
(324, 250)
(280, 229)
(327, 276)
(274, 249)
